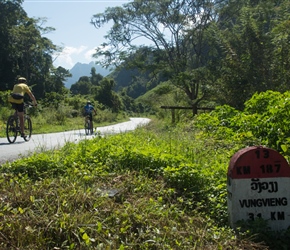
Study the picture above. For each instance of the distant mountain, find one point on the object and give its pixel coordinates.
(84, 69)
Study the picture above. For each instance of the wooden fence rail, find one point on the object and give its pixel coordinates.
(173, 108)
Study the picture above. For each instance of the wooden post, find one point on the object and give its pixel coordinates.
(176, 107)
(172, 115)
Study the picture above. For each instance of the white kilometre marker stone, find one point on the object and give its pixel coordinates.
(259, 187)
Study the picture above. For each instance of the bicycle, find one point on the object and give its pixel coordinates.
(13, 126)
(88, 128)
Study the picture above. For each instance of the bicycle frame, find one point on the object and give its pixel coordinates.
(13, 125)
(88, 124)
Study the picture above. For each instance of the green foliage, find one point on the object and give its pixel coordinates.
(145, 189)
(184, 59)
(86, 85)
(252, 39)
(165, 94)
(160, 189)
(105, 95)
(60, 112)
(226, 55)
(264, 121)
(4, 97)
(25, 52)
(159, 186)
(58, 76)
(81, 88)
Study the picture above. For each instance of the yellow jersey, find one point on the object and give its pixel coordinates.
(21, 89)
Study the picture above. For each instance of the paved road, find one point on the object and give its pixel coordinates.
(44, 142)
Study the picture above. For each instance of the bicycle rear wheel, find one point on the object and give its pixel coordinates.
(27, 128)
(11, 129)
(92, 129)
(87, 127)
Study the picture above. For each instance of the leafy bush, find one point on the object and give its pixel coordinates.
(265, 120)
(171, 185)
(160, 187)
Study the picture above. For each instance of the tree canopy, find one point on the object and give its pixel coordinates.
(220, 50)
(25, 51)
(177, 32)
(253, 37)
(216, 51)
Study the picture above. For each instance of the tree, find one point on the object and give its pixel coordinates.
(176, 30)
(58, 77)
(11, 13)
(281, 53)
(24, 51)
(95, 78)
(255, 44)
(106, 96)
(33, 57)
(86, 85)
(81, 88)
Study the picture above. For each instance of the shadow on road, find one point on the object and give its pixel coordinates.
(7, 143)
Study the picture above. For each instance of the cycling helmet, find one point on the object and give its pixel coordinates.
(88, 102)
(21, 79)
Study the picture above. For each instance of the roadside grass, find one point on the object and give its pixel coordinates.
(159, 187)
(49, 122)
(66, 214)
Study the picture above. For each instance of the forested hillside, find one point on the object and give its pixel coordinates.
(83, 69)
(218, 52)
(222, 51)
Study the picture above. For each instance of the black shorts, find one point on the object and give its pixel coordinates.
(90, 115)
(18, 107)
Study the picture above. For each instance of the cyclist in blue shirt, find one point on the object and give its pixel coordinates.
(89, 108)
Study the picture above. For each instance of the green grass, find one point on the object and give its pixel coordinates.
(49, 124)
(159, 187)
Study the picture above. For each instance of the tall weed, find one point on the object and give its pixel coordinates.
(159, 187)
(170, 177)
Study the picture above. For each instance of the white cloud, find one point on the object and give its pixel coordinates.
(89, 54)
(69, 56)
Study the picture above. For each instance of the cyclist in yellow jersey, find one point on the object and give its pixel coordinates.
(17, 100)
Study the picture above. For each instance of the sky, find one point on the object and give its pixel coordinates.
(73, 31)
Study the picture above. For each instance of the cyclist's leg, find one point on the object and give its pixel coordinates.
(91, 122)
(20, 113)
(14, 106)
(21, 119)
(86, 119)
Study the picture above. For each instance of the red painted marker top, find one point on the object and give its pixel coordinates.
(258, 162)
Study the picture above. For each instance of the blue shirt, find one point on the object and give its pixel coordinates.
(89, 109)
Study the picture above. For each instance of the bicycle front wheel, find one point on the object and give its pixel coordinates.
(27, 128)
(11, 129)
